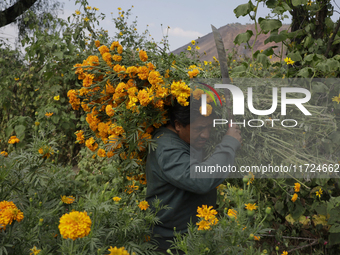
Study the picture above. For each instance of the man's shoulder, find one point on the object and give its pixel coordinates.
(164, 137)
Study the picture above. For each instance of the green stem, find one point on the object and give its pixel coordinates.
(71, 250)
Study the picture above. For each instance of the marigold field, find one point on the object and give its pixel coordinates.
(78, 111)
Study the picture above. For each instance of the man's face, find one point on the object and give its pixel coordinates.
(196, 133)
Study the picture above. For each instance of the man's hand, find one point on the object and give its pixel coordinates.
(235, 132)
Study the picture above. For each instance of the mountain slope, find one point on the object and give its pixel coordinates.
(228, 33)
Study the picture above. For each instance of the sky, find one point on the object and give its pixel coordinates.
(187, 19)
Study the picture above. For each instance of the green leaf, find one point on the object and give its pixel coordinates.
(319, 87)
(269, 24)
(59, 55)
(20, 131)
(298, 2)
(271, 4)
(286, 6)
(263, 59)
(334, 238)
(243, 37)
(305, 72)
(295, 56)
(298, 211)
(244, 9)
(275, 37)
(239, 69)
(335, 228)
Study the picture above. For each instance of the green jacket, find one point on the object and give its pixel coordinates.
(168, 179)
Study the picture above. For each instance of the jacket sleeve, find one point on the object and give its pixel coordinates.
(176, 163)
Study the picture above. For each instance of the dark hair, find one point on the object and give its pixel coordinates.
(182, 113)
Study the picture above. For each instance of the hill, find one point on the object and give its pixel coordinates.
(228, 33)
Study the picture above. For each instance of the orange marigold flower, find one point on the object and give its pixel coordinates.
(103, 49)
(8, 213)
(209, 110)
(117, 58)
(143, 56)
(68, 199)
(143, 205)
(109, 110)
(294, 198)
(75, 225)
(197, 94)
(203, 225)
(97, 43)
(80, 136)
(114, 45)
(232, 213)
(101, 153)
(4, 153)
(118, 251)
(297, 187)
(13, 139)
(48, 114)
(91, 144)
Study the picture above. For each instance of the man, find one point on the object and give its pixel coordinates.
(168, 168)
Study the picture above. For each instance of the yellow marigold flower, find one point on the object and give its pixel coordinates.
(8, 213)
(4, 153)
(77, 12)
(197, 48)
(232, 213)
(251, 207)
(336, 99)
(16, 79)
(271, 56)
(189, 48)
(309, 2)
(118, 251)
(143, 56)
(89, 7)
(203, 225)
(34, 251)
(101, 153)
(116, 199)
(297, 187)
(48, 114)
(133, 187)
(284, 253)
(95, 8)
(86, 19)
(209, 110)
(120, 33)
(295, 197)
(206, 212)
(97, 43)
(319, 193)
(289, 61)
(193, 42)
(75, 225)
(68, 199)
(56, 98)
(143, 205)
(122, 15)
(13, 139)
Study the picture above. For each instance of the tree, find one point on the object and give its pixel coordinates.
(24, 13)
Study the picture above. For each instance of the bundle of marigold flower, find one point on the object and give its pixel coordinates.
(124, 97)
(8, 213)
(75, 225)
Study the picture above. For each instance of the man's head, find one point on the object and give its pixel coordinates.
(190, 125)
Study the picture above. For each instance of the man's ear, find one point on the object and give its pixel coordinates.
(178, 126)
